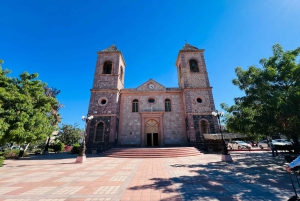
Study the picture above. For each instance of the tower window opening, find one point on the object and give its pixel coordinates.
(107, 67)
(194, 65)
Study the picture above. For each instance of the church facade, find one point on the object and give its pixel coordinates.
(150, 115)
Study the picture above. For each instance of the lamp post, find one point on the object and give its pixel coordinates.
(81, 156)
(225, 155)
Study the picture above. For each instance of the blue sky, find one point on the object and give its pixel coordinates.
(59, 40)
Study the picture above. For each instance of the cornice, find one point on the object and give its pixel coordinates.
(197, 89)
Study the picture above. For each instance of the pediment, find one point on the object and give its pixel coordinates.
(151, 85)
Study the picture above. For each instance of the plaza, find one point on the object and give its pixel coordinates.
(55, 177)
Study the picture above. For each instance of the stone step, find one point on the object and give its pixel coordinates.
(151, 152)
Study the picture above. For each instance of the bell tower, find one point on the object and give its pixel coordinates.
(197, 93)
(105, 99)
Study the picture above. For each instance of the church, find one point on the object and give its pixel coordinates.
(150, 115)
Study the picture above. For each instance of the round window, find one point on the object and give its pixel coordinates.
(151, 100)
(102, 101)
(199, 100)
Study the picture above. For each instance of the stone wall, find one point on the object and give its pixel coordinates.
(91, 144)
(174, 131)
(131, 122)
(173, 126)
(197, 119)
(205, 105)
(111, 106)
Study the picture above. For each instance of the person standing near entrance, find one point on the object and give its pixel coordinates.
(273, 148)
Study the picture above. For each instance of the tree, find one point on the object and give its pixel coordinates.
(271, 104)
(52, 92)
(69, 134)
(4, 83)
(25, 110)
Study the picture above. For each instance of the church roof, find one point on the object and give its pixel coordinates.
(189, 47)
(156, 85)
(112, 48)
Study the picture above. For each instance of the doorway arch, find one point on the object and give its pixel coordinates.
(152, 134)
(204, 127)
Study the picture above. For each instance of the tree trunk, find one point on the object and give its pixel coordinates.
(47, 146)
(26, 147)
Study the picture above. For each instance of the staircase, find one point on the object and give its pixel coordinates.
(169, 152)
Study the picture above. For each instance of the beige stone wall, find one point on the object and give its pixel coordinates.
(109, 108)
(173, 127)
(190, 79)
(205, 106)
(196, 80)
(130, 131)
(102, 81)
(131, 122)
(121, 80)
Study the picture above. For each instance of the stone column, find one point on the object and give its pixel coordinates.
(142, 132)
(161, 130)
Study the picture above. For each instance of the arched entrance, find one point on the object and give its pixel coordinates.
(151, 129)
(204, 127)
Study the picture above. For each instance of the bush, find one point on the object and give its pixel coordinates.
(58, 146)
(11, 154)
(75, 149)
(1, 160)
(37, 151)
(1, 153)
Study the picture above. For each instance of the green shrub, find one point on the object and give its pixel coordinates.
(13, 154)
(1, 153)
(1, 160)
(10, 154)
(37, 151)
(75, 148)
(57, 146)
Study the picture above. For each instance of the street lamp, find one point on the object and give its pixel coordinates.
(225, 155)
(81, 156)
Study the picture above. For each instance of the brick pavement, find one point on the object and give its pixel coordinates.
(55, 177)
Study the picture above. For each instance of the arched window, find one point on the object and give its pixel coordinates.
(99, 132)
(107, 67)
(204, 127)
(167, 105)
(121, 73)
(194, 65)
(135, 105)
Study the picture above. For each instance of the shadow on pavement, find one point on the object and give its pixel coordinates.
(250, 176)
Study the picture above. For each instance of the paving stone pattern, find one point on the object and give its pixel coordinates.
(55, 177)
